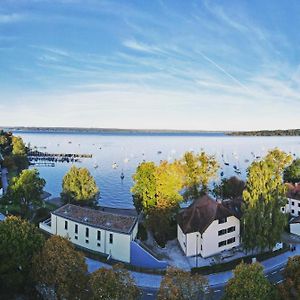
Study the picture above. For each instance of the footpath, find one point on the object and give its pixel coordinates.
(144, 280)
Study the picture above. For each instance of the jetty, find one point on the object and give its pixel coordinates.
(38, 157)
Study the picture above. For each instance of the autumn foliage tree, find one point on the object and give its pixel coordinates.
(19, 242)
(60, 270)
(292, 172)
(180, 285)
(113, 284)
(249, 283)
(79, 187)
(264, 195)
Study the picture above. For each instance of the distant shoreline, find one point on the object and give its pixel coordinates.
(288, 132)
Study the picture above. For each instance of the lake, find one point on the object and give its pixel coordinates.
(128, 150)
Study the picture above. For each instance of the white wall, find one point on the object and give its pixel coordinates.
(119, 249)
(210, 239)
(295, 228)
(292, 207)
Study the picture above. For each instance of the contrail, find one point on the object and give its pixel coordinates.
(224, 71)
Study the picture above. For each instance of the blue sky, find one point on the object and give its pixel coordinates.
(212, 65)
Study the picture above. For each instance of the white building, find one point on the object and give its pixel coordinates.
(207, 227)
(292, 206)
(96, 230)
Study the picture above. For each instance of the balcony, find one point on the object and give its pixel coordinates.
(46, 225)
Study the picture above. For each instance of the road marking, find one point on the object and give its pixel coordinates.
(281, 269)
(217, 291)
(267, 275)
(149, 294)
(274, 272)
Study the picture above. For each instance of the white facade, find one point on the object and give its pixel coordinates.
(115, 244)
(295, 228)
(292, 207)
(215, 239)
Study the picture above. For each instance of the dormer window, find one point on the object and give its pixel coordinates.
(222, 220)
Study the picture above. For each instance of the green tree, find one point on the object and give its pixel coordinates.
(292, 172)
(144, 189)
(59, 268)
(229, 188)
(19, 242)
(249, 283)
(290, 288)
(5, 143)
(18, 146)
(180, 285)
(264, 195)
(113, 284)
(26, 190)
(79, 187)
(199, 170)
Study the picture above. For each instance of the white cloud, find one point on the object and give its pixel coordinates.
(11, 18)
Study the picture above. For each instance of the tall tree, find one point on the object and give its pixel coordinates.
(249, 283)
(79, 187)
(199, 170)
(19, 242)
(290, 288)
(264, 195)
(180, 285)
(59, 268)
(292, 172)
(113, 284)
(229, 188)
(26, 190)
(18, 146)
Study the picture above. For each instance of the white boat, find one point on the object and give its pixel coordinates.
(114, 165)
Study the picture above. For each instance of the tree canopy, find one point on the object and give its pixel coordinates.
(19, 242)
(264, 195)
(18, 146)
(79, 187)
(229, 188)
(26, 189)
(292, 172)
(199, 170)
(60, 268)
(249, 283)
(113, 284)
(180, 285)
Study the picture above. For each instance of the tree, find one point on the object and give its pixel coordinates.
(264, 195)
(19, 242)
(229, 188)
(59, 268)
(113, 284)
(18, 146)
(249, 283)
(180, 285)
(290, 289)
(199, 169)
(144, 189)
(292, 172)
(26, 190)
(79, 187)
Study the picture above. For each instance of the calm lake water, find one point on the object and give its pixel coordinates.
(128, 150)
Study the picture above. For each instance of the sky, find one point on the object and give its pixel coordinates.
(159, 64)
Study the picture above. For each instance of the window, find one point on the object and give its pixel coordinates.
(223, 220)
(293, 203)
(98, 235)
(230, 241)
(87, 232)
(231, 229)
(221, 244)
(98, 244)
(282, 208)
(111, 238)
(76, 237)
(299, 204)
(293, 211)
(66, 225)
(201, 247)
(86, 241)
(221, 232)
(299, 213)
(76, 228)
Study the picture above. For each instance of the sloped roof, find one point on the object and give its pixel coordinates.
(200, 214)
(293, 191)
(295, 220)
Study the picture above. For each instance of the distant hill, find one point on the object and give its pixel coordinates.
(288, 132)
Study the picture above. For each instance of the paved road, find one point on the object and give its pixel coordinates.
(275, 276)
